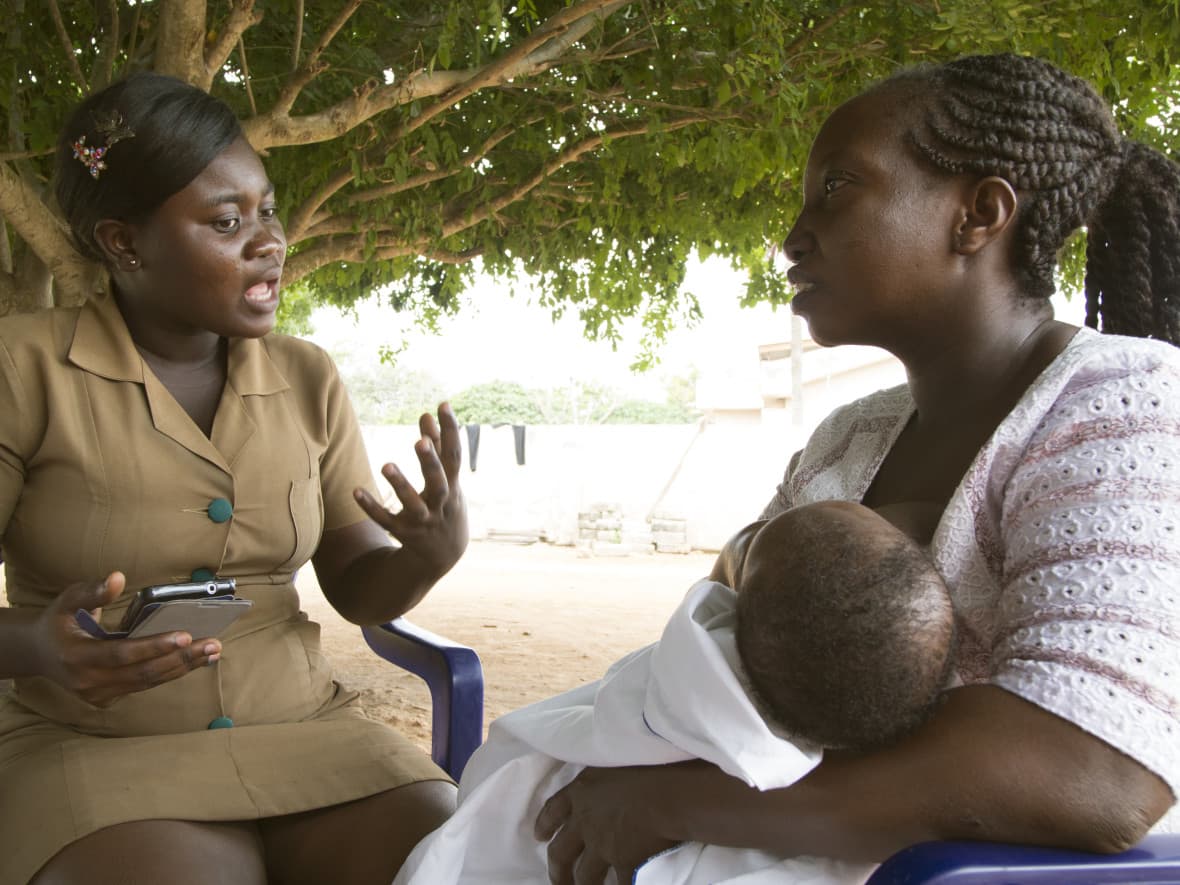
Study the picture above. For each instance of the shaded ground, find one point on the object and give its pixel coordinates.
(542, 619)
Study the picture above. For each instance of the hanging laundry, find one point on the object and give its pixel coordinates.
(472, 444)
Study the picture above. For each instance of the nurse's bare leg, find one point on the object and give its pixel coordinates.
(356, 843)
(153, 851)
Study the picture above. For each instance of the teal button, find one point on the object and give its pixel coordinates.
(221, 722)
(200, 575)
(220, 510)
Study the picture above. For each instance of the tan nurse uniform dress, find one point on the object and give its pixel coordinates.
(101, 469)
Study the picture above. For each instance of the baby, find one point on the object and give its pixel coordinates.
(826, 626)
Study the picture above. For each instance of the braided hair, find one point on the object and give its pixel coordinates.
(1054, 139)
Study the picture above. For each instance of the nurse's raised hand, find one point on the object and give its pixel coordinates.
(431, 525)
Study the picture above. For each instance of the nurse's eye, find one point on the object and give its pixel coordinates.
(227, 225)
(833, 183)
(269, 212)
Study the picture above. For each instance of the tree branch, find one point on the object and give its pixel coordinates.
(134, 33)
(472, 158)
(48, 239)
(106, 72)
(459, 220)
(814, 32)
(9, 156)
(297, 44)
(246, 77)
(538, 51)
(22, 207)
(301, 219)
(273, 130)
(352, 249)
(6, 265)
(534, 54)
(241, 18)
(8, 292)
(301, 76)
(352, 246)
(68, 45)
(180, 41)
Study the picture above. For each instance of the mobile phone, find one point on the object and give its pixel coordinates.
(168, 592)
(200, 617)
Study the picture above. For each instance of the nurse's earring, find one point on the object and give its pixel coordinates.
(116, 241)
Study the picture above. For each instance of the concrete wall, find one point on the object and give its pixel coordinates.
(716, 477)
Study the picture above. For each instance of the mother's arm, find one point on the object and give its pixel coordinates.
(988, 765)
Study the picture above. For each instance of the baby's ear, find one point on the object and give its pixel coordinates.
(989, 209)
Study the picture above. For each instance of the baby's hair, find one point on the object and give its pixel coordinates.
(844, 627)
(167, 133)
(1054, 139)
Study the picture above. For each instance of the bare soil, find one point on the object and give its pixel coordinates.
(542, 618)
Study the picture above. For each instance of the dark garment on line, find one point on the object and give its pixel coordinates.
(518, 435)
(472, 444)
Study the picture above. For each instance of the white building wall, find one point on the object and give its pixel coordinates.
(716, 475)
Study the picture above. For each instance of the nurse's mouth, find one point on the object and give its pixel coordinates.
(263, 294)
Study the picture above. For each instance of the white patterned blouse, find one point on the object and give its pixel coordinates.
(1061, 544)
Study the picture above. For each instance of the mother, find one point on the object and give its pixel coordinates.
(162, 433)
(1047, 456)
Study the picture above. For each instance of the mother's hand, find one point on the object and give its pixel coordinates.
(100, 671)
(432, 524)
(604, 819)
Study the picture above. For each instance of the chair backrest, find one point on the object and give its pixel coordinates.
(1154, 861)
(455, 677)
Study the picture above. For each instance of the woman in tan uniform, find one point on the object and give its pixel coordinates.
(162, 434)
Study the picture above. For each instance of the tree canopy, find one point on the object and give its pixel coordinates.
(593, 144)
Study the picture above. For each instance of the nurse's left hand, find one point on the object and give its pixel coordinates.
(432, 523)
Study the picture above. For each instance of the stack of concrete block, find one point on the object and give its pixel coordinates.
(669, 533)
(603, 531)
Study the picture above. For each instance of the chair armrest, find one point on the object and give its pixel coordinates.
(1155, 860)
(455, 678)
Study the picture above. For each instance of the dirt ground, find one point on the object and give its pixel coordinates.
(542, 619)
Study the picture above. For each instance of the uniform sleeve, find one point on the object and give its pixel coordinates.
(1090, 610)
(344, 465)
(15, 424)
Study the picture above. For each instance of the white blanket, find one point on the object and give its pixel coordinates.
(681, 698)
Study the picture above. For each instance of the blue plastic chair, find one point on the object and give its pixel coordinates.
(456, 685)
(1154, 861)
(455, 678)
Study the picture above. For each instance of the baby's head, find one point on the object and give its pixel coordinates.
(845, 628)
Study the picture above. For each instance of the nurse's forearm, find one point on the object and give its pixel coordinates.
(19, 649)
(381, 585)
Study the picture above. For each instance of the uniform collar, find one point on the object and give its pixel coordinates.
(103, 346)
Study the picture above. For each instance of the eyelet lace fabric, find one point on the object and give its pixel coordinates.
(1061, 545)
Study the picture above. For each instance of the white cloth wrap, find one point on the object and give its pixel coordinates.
(681, 698)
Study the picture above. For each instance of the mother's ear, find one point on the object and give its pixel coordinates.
(117, 242)
(989, 209)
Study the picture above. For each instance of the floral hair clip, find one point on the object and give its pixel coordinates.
(114, 130)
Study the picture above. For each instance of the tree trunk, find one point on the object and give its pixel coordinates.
(34, 285)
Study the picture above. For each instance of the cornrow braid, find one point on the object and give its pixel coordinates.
(1133, 250)
(1054, 139)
